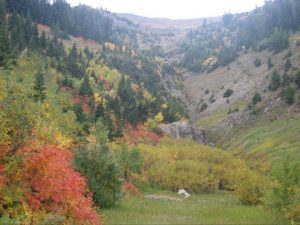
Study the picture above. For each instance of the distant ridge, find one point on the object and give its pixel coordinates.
(166, 23)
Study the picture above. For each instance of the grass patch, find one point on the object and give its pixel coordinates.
(211, 120)
(218, 208)
(276, 140)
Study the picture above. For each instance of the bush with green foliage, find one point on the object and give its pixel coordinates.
(233, 110)
(257, 62)
(130, 160)
(283, 197)
(256, 98)
(102, 173)
(98, 164)
(287, 65)
(289, 95)
(275, 81)
(227, 93)
(250, 186)
(286, 80)
(297, 79)
(270, 64)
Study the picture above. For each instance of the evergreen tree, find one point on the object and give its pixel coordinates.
(275, 81)
(43, 41)
(72, 63)
(102, 173)
(5, 50)
(85, 88)
(270, 64)
(297, 79)
(289, 96)
(287, 65)
(39, 87)
(99, 111)
(256, 98)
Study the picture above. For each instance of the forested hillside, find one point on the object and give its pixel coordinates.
(83, 92)
(58, 99)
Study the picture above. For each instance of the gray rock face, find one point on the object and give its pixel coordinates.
(181, 130)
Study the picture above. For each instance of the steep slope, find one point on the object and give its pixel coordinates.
(241, 76)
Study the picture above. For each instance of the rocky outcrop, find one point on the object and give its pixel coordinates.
(181, 130)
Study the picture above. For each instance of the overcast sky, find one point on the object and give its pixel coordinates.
(174, 9)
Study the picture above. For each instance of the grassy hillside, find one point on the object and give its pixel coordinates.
(275, 140)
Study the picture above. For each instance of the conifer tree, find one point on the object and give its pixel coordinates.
(4, 37)
(39, 87)
(275, 81)
(85, 88)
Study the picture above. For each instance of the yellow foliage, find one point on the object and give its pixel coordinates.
(249, 186)
(159, 118)
(147, 96)
(153, 123)
(97, 98)
(164, 106)
(134, 87)
(2, 92)
(210, 61)
(63, 141)
(293, 213)
(186, 164)
(110, 45)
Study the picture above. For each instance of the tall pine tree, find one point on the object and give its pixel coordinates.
(39, 87)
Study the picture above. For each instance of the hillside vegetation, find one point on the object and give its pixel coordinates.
(83, 92)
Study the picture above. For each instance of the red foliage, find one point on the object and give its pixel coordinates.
(85, 107)
(140, 134)
(131, 187)
(52, 184)
(83, 101)
(4, 150)
(76, 99)
(2, 176)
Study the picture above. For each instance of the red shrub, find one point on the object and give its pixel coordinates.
(53, 185)
(76, 99)
(2, 176)
(140, 134)
(131, 187)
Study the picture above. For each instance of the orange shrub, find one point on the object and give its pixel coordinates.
(53, 185)
(140, 135)
(128, 186)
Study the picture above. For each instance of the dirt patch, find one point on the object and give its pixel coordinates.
(163, 197)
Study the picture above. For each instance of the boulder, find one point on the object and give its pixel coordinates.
(182, 130)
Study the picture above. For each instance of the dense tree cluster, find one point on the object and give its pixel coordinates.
(82, 20)
(218, 44)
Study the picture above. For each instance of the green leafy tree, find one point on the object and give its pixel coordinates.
(284, 197)
(130, 160)
(99, 167)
